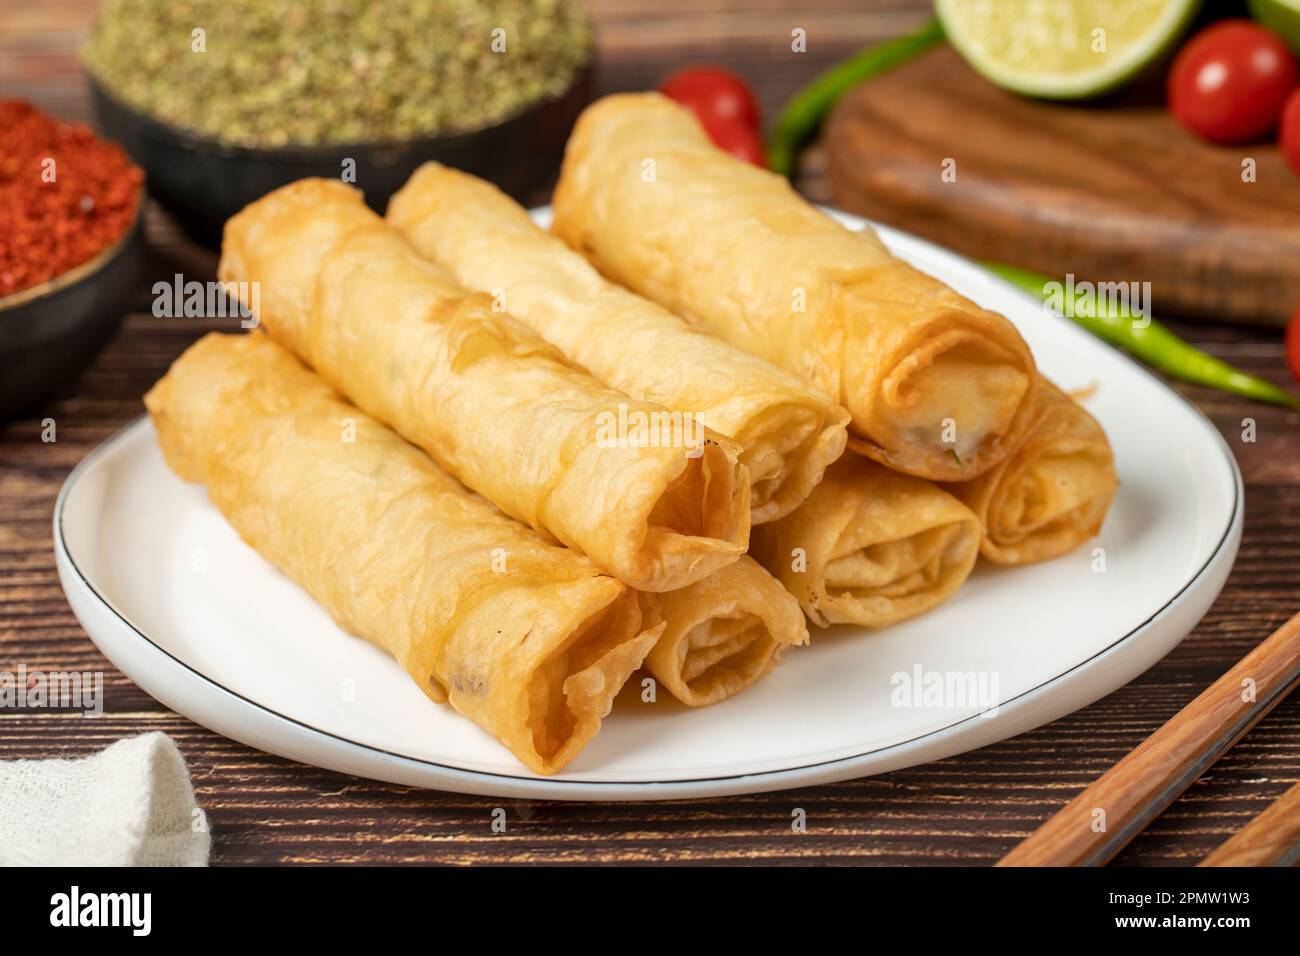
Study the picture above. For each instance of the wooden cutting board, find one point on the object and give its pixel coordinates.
(1113, 190)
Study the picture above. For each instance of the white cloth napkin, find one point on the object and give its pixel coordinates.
(129, 805)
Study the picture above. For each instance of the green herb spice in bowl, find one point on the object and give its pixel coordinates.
(224, 100)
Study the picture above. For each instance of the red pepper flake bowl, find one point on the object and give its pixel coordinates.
(71, 254)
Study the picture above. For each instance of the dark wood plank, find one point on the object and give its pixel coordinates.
(1141, 786)
(968, 810)
(1270, 839)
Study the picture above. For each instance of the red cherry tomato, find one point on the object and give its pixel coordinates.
(1229, 82)
(737, 138)
(712, 93)
(1289, 131)
(725, 107)
(1293, 345)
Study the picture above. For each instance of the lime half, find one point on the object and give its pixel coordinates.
(1062, 49)
(1280, 16)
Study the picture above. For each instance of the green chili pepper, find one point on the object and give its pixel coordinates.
(804, 114)
(1154, 344)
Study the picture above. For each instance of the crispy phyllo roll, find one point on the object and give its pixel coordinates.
(788, 431)
(871, 546)
(1051, 494)
(524, 637)
(723, 633)
(657, 505)
(936, 386)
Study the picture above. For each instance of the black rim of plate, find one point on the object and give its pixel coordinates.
(660, 789)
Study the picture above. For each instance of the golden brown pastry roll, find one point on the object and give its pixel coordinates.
(1051, 494)
(526, 638)
(870, 546)
(723, 633)
(936, 386)
(485, 396)
(788, 431)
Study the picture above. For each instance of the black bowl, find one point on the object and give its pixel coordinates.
(203, 182)
(51, 332)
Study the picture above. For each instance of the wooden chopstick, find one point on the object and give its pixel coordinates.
(1097, 824)
(1271, 839)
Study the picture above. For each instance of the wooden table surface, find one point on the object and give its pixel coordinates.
(967, 810)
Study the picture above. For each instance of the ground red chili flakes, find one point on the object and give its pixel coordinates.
(57, 215)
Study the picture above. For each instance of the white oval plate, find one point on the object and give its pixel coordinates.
(172, 596)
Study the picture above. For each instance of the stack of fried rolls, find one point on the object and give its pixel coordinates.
(525, 637)
(488, 399)
(695, 416)
(937, 387)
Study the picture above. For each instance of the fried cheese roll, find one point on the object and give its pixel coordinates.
(936, 386)
(871, 546)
